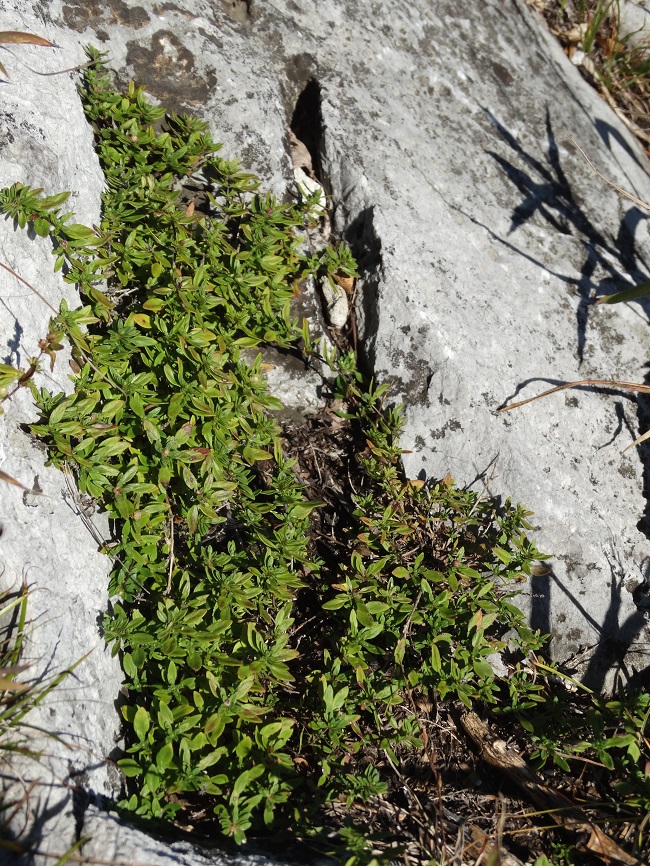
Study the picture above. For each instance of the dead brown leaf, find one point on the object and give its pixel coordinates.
(15, 37)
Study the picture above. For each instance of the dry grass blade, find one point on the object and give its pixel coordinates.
(638, 441)
(16, 37)
(619, 189)
(607, 383)
(10, 480)
(29, 286)
(612, 383)
(7, 682)
(57, 71)
(564, 812)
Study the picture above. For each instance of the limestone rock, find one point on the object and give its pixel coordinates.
(45, 142)
(337, 308)
(634, 23)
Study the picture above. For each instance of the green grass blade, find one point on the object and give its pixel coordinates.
(640, 291)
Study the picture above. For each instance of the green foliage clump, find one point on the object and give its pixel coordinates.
(169, 427)
(431, 574)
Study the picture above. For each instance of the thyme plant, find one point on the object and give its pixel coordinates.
(171, 428)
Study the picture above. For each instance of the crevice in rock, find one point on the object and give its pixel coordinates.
(307, 126)
(355, 224)
(306, 146)
(365, 245)
(643, 416)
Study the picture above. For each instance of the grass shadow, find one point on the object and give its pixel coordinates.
(608, 265)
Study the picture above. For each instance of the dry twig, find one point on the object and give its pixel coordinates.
(560, 808)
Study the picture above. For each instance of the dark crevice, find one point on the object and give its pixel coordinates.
(643, 416)
(365, 245)
(355, 224)
(307, 125)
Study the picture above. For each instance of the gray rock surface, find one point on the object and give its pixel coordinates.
(634, 23)
(482, 235)
(45, 142)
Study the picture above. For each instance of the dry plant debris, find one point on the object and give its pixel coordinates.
(619, 69)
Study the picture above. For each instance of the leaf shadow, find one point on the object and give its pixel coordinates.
(608, 265)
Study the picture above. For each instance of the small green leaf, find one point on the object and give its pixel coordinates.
(243, 747)
(129, 667)
(164, 757)
(129, 767)
(154, 304)
(175, 406)
(304, 509)
(54, 201)
(192, 519)
(252, 455)
(483, 669)
(195, 661)
(215, 726)
(504, 555)
(112, 407)
(41, 227)
(136, 404)
(245, 778)
(165, 716)
(151, 430)
(436, 661)
(77, 231)
(141, 723)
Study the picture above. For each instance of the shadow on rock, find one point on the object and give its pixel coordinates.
(607, 266)
(643, 416)
(616, 639)
(365, 244)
